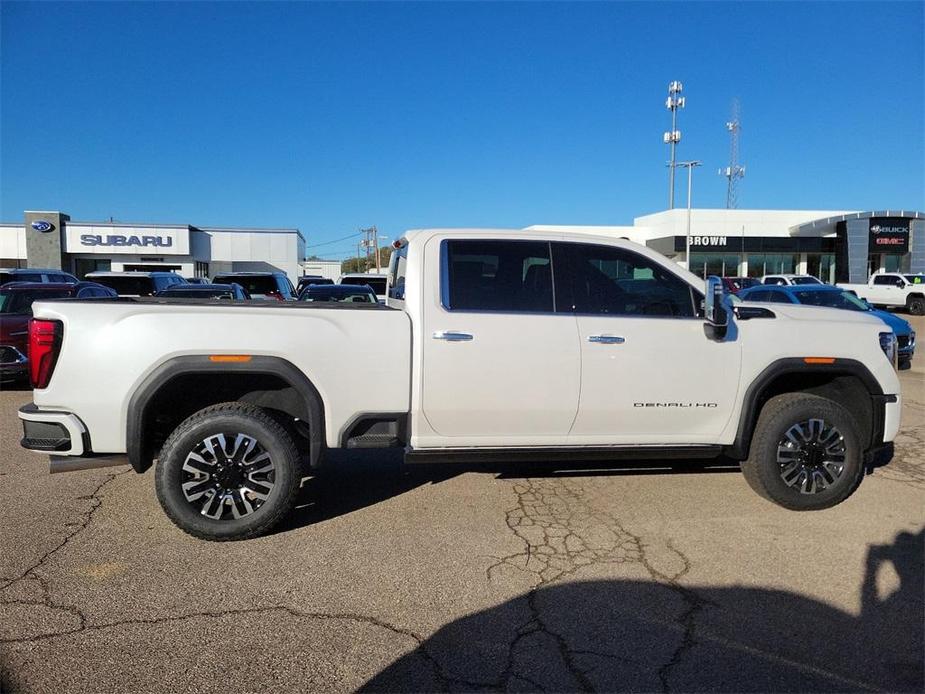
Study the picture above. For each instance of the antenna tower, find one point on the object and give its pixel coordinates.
(733, 172)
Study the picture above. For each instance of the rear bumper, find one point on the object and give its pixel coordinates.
(52, 431)
(64, 437)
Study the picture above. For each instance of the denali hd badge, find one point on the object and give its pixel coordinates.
(42, 225)
(675, 404)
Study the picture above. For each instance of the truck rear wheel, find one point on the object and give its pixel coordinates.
(228, 472)
(806, 453)
(916, 306)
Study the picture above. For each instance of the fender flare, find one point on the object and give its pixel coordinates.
(748, 417)
(201, 364)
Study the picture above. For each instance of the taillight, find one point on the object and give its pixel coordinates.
(44, 345)
(276, 295)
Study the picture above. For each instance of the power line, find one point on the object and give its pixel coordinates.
(328, 243)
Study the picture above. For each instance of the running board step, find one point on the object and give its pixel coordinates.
(576, 454)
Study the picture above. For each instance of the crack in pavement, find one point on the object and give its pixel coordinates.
(562, 533)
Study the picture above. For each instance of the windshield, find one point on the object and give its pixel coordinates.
(360, 295)
(832, 300)
(377, 283)
(805, 280)
(20, 302)
(255, 284)
(127, 286)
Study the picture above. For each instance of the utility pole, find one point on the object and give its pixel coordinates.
(689, 165)
(673, 136)
(733, 172)
(371, 241)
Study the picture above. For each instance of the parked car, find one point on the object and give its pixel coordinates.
(307, 280)
(260, 285)
(344, 293)
(788, 280)
(377, 282)
(894, 289)
(35, 275)
(506, 346)
(734, 285)
(836, 297)
(197, 280)
(136, 283)
(233, 291)
(16, 300)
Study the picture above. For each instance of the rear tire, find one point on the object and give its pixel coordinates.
(228, 472)
(916, 306)
(806, 453)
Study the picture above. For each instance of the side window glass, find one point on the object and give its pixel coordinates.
(614, 281)
(503, 276)
(883, 279)
(778, 298)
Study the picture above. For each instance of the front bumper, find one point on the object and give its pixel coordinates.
(13, 363)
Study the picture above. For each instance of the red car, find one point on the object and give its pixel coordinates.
(734, 285)
(15, 311)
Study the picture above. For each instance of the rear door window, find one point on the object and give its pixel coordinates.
(498, 276)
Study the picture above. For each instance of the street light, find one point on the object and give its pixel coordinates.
(689, 165)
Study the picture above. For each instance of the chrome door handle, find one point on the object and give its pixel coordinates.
(606, 339)
(452, 336)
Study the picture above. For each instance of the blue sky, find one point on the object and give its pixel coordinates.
(329, 117)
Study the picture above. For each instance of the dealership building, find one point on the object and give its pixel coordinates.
(52, 240)
(833, 245)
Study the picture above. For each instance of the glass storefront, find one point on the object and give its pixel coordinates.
(821, 266)
(719, 264)
(771, 263)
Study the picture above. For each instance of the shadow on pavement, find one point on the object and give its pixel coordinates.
(655, 636)
(354, 480)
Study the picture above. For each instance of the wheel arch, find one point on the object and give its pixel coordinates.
(269, 382)
(845, 381)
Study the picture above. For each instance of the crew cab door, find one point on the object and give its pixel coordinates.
(887, 289)
(649, 372)
(499, 366)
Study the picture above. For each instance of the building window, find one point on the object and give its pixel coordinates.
(760, 264)
(821, 265)
(84, 265)
(721, 265)
(201, 269)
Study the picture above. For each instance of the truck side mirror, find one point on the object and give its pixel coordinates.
(714, 312)
(900, 284)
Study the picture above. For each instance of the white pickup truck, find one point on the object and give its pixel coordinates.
(899, 290)
(496, 345)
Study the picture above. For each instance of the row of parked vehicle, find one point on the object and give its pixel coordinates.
(19, 288)
(883, 290)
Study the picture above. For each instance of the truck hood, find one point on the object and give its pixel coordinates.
(818, 313)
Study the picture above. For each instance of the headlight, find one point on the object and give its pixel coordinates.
(888, 345)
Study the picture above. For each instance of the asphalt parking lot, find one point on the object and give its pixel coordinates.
(533, 578)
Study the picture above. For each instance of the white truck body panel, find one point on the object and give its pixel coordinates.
(358, 360)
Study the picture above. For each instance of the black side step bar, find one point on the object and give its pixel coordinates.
(575, 454)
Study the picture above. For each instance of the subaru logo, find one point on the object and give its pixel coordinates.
(42, 225)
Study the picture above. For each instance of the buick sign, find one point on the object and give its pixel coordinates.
(42, 225)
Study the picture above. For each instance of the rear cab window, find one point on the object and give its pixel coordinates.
(497, 276)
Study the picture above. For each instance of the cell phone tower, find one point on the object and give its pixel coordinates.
(674, 102)
(733, 172)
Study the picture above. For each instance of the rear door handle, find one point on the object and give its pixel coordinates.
(452, 336)
(606, 339)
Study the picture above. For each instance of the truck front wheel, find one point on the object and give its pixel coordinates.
(228, 472)
(806, 453)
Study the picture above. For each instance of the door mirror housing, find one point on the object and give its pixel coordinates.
(714, 310)
(900, 284)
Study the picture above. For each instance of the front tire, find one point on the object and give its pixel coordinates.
(916, 306)
(806, 453)
(228, 472)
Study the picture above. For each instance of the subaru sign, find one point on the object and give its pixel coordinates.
(42, 225)
(126, 239)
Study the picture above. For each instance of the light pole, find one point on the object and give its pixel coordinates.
(690, 170)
